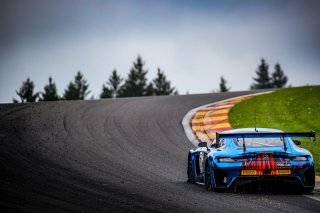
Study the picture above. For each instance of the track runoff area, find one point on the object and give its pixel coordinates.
(201, 124)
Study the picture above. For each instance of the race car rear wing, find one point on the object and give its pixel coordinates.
(244, 135)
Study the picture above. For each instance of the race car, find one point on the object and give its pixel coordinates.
(252, 159)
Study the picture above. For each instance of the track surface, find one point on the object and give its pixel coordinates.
(112, 156)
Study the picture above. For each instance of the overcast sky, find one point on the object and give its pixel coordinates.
(194, 42)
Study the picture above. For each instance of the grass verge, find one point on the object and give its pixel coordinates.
(290, 109)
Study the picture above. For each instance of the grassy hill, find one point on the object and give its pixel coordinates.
(291, 109)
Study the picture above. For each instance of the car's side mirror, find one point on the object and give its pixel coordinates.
(296, 142)
(202, 144)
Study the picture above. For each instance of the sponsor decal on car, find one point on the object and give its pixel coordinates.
(266, 164)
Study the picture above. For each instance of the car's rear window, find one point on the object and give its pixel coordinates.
(259, 142)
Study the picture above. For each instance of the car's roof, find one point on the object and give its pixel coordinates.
(248, 130)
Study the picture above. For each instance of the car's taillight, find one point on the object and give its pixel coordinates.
(299, 158)
(227, 160)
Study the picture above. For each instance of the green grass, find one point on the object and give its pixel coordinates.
(291, 109)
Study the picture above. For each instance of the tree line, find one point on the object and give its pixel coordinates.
(136, 84)
(263, 80)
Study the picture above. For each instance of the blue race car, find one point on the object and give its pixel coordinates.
(253, 158)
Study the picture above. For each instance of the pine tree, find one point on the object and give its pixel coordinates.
(26, 92)
(161, 85)
(150, 90)
(263, 79)
(106, 92)
(279, 80)
(50, 92)
(77, 90)
(136, 83)
(111, 88)
(223, 85)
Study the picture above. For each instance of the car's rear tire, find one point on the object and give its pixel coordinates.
(308, 180)
(307, 190)
(190, 170)
(208, 177)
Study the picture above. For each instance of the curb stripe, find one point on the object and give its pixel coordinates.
(208, 119)
(214, 122)
(211, 115)
(215, 108)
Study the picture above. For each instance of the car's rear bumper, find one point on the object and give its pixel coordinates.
(271, 180)
(230, 178)
(228, 174)
(268, 183)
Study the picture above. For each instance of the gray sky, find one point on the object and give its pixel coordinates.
(194, 42)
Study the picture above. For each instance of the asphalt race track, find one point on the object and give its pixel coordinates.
(118, 155)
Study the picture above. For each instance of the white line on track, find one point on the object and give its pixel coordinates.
(314, 197)
(221, 107)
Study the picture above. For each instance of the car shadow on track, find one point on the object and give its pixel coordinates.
(263, 189)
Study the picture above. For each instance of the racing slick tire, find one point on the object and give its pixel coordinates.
(307, 190)
(208, 177)
(190, 169)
